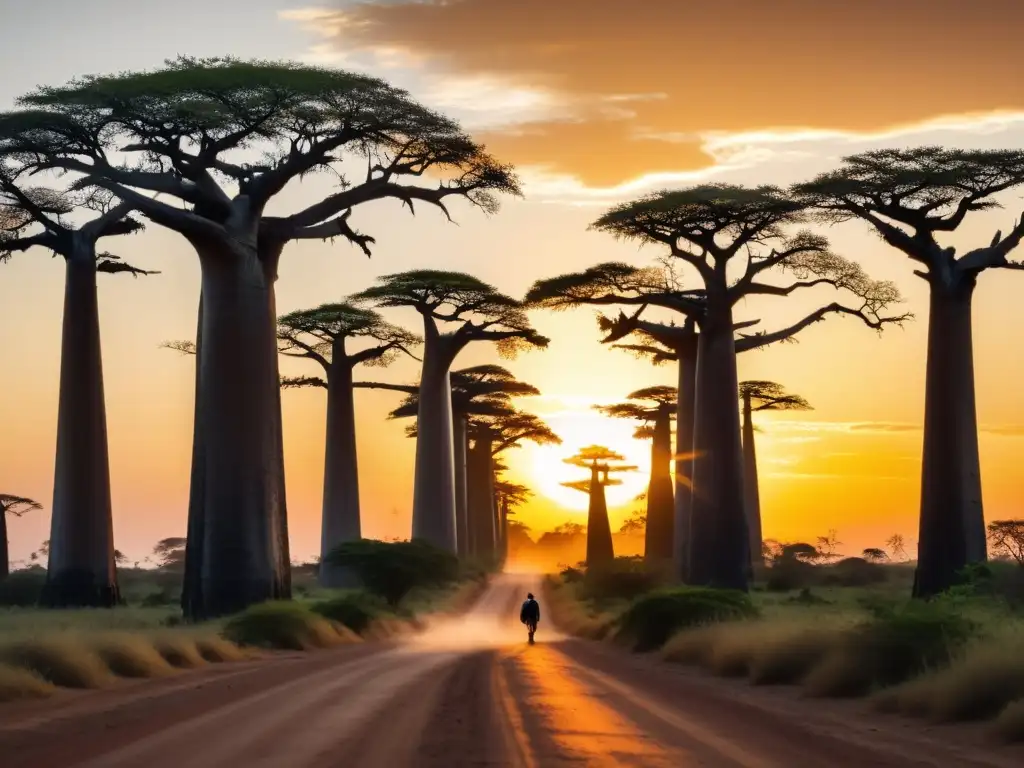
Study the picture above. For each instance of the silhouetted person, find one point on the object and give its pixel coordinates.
(529, 614)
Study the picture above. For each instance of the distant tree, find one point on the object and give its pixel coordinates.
(16, 506)
(170, 552)
(828, 545)
(895, 545)
(203, 147)
(801, 550)
(1007, 539)
(635, 524)
(655, 408)
(80, 569)
(339, 337)
(119, 557)
(601, 462)
(875, 555)
(757, 396)
(480, 313)
(911, 198)
(478, 391)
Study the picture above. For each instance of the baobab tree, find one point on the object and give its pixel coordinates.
(225, 137)
(480, 313)
(654, 407)
(81, 569)
(709, 229)
(911, 198)
(339, 337)
(16, 506)
(509, 496)
(757, 396)
(481, 390)
(601, 462)
(615, 283)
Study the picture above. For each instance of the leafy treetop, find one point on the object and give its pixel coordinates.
(512, 495)
(648, 404)
(600, 459)
(17, 505)
(225, 136)
(512, 430)
(769, 396)
(484, 314)
(481, 390)
(910, 195)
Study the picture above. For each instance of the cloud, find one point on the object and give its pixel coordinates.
(620, 92)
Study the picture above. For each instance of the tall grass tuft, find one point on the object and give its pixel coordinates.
(131, 656)
(281, 625)
(17, 683)
(65, 661)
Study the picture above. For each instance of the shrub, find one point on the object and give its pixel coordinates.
(21, 589)
(1010, 723)
(624, 578)
(897, 644)
(787, 658)
(17, 683)
(131, 656)
(63, 662)
(178, 650)
(788, 573)
(355, 610)
(572, 574)
(393, 569)
(216, 649)
(854, 572)
(653, 618)
(281, 625)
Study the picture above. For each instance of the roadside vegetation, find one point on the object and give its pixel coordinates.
(835, 627)
(42, 651)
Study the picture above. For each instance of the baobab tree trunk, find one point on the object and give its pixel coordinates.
(660, 509)
(340, 521)
(461, 490)
(952, 532)
(81, 569)
(719, 543)
(191, 589)
(503, 520)
(480, 475)
(751, 494)
(433, 502)
(600, 551)
(685, 449)
(5, 558)
(238, 511)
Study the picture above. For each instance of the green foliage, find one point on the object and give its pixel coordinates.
(896, 644)
(280, 625)
(854, 572)
(624, 578)
(354, 609)
(393, 569)
(22, 588)
(653, 618)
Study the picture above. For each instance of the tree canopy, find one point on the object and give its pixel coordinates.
(647, 405)
(223, 134)
(602, 459)
(480, 390)
(17, 505)
(512, 430)
(769, 396)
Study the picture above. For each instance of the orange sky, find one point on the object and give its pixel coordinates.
(593, 106)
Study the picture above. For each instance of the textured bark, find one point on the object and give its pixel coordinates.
(341, 517)
(433, 504)
(480, 475)
(237, 511)
(191, 590)
(952, 532)
(5, 558)
(461, 490)
(81, 569)
(503, 522)
(658, 545)
(599, 531)
(687, 393)
(719, 544)
(751, 494)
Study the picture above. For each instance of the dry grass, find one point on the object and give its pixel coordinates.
(216, 649)
(1009, 726)
(17, 683)
(574, 617)
(180, 650)
(128, 655)
(285, 626)
(60, 660)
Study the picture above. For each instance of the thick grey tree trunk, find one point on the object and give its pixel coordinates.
(952, 532)
(5, 558)
(719, 543)
(658, 540)
(236, 513)
(81, 569)
(600, 550)
(481, 493)
(687, 393)
(191, 590)
(433, 503)
(751, 494)
(340, 521)
(460, 439)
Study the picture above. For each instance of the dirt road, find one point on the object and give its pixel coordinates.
(469, 692)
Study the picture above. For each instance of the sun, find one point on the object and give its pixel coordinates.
(578, 429)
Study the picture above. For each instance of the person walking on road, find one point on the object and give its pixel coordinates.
(529, 615)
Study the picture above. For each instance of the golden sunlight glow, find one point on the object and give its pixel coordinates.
(577, 430)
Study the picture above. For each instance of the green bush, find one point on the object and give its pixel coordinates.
(653, 618)
(22, 588)
(625, 578)
(572, 575)
(895, 645)
(393, 569)
(355, 610)
(281, 625)
(854, 572)
(788, 573)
